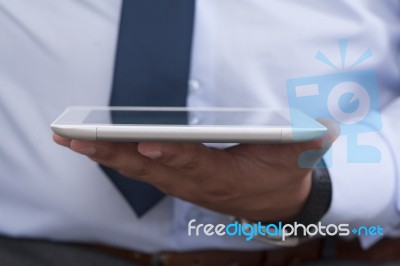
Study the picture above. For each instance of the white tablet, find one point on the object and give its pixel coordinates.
(206, 125)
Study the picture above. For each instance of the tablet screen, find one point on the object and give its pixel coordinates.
(206, 118)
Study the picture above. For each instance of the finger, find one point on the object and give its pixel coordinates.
(118, 156)
(124, 158)
(61, 140)
(323, 143)
(309, 157)
(186, 157)
(332, 133)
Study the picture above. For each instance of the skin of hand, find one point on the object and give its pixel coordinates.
(259, 182)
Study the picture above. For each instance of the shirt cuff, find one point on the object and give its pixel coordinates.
(363, 194)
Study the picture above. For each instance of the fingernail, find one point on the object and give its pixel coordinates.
(88, 151)
(152, 154)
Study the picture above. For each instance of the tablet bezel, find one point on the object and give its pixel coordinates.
(71, 124)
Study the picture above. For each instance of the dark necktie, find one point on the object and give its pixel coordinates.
(151, 69)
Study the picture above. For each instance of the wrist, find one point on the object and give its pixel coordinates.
(319, 199)
(296, 199)
(286, 203)
(315, 206)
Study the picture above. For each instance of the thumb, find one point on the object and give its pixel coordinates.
(332, 133)
(309, 158)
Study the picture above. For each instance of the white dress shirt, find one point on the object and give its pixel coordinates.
(55, 54)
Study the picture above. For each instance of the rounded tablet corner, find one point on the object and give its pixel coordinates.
(302, 135)
(82, 133)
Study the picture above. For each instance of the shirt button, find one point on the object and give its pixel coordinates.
(194, 213)
(194, 120)
(194, 85)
